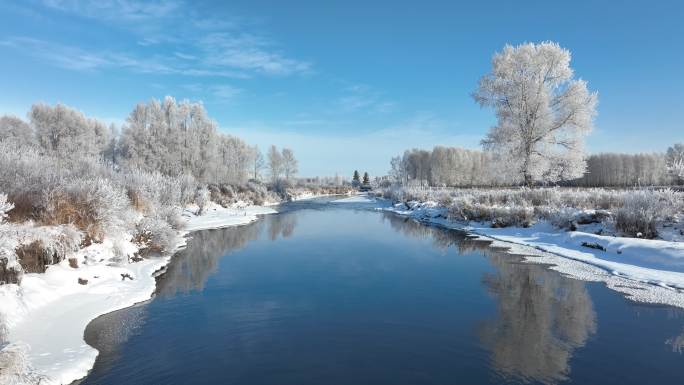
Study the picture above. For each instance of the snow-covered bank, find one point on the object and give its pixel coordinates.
(47, 314)
(216, 216)
(645, 270)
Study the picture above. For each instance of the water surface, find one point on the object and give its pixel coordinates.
(325, 294)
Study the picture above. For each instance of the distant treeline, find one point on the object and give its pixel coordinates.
(458, 167)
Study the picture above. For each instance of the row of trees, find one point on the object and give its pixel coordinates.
(170, 137)
(446, 166)
(457, 167)
(626, 170)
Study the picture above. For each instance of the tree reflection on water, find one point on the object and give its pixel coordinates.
(542, 317)
(192, 266)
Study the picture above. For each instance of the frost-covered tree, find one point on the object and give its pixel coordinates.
(170, 137)
(234, 160)
(275, 163)
(179, 138)
(418, 165)
(290, 164)
(543, 112)
(64, 132)
(675, 160)
(111, 150)
(16, 130)
(398, 170)
(258, 162)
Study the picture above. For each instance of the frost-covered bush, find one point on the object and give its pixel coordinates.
(172, 216)
(641, 211)
(95, 197)
(5, 206)
(633, 211)
(252, 192)
(34, 247)
(150, 190)
(96, 206)
(202, 199)
(465, 209)
(155, 235)
(14, 366)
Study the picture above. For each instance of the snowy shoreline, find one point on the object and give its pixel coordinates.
(47, 314)
(563, 252)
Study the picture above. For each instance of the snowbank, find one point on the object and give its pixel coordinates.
(645, 270)
(47, 314)
(216, 216)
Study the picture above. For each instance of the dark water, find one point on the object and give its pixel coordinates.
(330, 295)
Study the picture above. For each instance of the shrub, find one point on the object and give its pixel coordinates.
(202, 199)
(5, 207)
(642, 210)
(155, 235)
(636, 211)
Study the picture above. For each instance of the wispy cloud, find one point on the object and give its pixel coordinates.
(248, 52)
(185, 56)
(76, 58)
(361, 97)
(217, 93)
(200, 44)
(224, 93)
(119, 10)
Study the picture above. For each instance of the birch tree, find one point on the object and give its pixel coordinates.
(275, 163)
(290, 164)
(258, 162)
(543, 112)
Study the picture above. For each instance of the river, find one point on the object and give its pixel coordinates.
(331, 294)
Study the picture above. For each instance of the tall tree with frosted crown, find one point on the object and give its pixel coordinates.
(543, 112)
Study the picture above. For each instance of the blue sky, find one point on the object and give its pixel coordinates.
(346, 84)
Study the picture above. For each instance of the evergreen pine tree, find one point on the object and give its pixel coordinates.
(356, 179)
(366, 178)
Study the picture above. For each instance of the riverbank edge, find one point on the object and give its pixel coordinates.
(644, 285)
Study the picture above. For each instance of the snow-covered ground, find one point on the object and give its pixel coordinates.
(216, 216)
(645, 270)
(47, 314)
